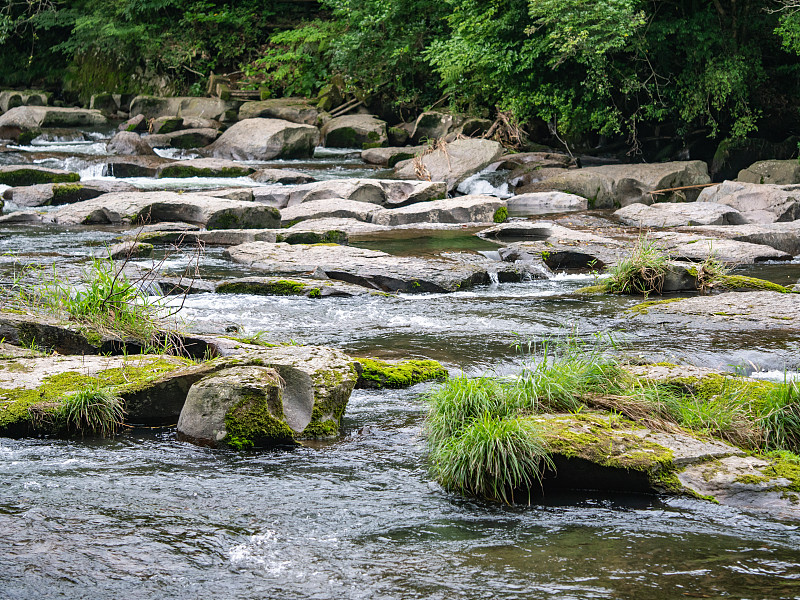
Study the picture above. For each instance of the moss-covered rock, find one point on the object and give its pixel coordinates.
(15, 176)
(376, 374)
(205, 167)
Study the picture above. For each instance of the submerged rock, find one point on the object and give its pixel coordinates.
(369, 268)
(298, 286)
(265, 139)
(152, 207)
(451, 163)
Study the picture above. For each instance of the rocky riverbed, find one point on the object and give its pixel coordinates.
(298, 249)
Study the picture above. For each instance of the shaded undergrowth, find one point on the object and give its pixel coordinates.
(483, 442)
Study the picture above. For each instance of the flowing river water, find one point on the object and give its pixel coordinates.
(147, 516)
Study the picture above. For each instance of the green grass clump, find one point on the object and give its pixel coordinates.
(779, 417)
(92, 410)
(643, 272)
(500, 215)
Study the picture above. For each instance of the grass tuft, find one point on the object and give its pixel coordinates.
(95, 411)
(643, 272)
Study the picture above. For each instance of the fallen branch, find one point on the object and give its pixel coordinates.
(697, 186)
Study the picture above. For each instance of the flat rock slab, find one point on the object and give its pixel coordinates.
(296, 110)
(149, 207)
(463, 209)
(389, 193)
(390, 156)
(667, 214)
(32, 118)
(452, 163)
(329, 208)
(154, 107)
(744, 482)
(351, 227)
(134, 166)
(368, 268)
(758, 203)
(21, 175)
(540, 203)
(204, 167)
(282, 176)
(186, 139)
(697, 248)
(235, 237)
(51, 194)
(780, 236)
(297, 286)
(731, 311)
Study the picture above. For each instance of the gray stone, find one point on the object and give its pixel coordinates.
(779, 172)
(47, 194)
(281, 176)
(12, 99)
(354, 131)
(451, 163)
(130, 144)
(265, 139)
(237, 193)
(329, 208)
(368, 268)
(190, 122)
(350, 227)
(731, 311)
(389, 156)
(781, 236)
(296, 110)
(678, 214)
(526, 205)
(463, 209)
(108, 104)
(166, 124)
(150, 207)
(620, 185)
(389, 193)
(132, 249)
(432, 125)
(136, 123)
(33, 118)
(153, 107)
(697, 248)
(758, 203)
(204, 167)
(186, 139)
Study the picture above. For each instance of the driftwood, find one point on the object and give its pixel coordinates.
(696, 186)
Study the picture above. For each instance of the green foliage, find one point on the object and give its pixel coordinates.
(92, 410)
(500, 215)
(779, 417)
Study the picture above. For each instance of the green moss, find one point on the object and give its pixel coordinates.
(383, 374)
(22, 177)
(182, 171)
(592, 289)
(251, 423)
(328, 410)
(644, 307)
(315, 293)
(279, 287)
(19, 407)
(344, 137)
(312, 237)
(783, 465)
(368, 145)
(66, 192)
(500, 215)
(740, 282)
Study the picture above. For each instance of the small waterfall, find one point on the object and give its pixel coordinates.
(494, 280)
(92, 170)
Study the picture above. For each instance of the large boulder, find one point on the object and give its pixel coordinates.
(296, 110)
(674, 215)
(758, 203)
(431, 126)
(31, 119)
(47, 194)
(779, 172)
(451, 163)
(329, 208)
(463, 209)
(184, 138)
(265, 139)
(153, 107)
(354, 131)
(129, 143)
(153, 207)
(369, 268)
(389, 193)
(277, 395)
(20, 175)
(204, 167)
(732, 156)
(540, 203)
(611, 186)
